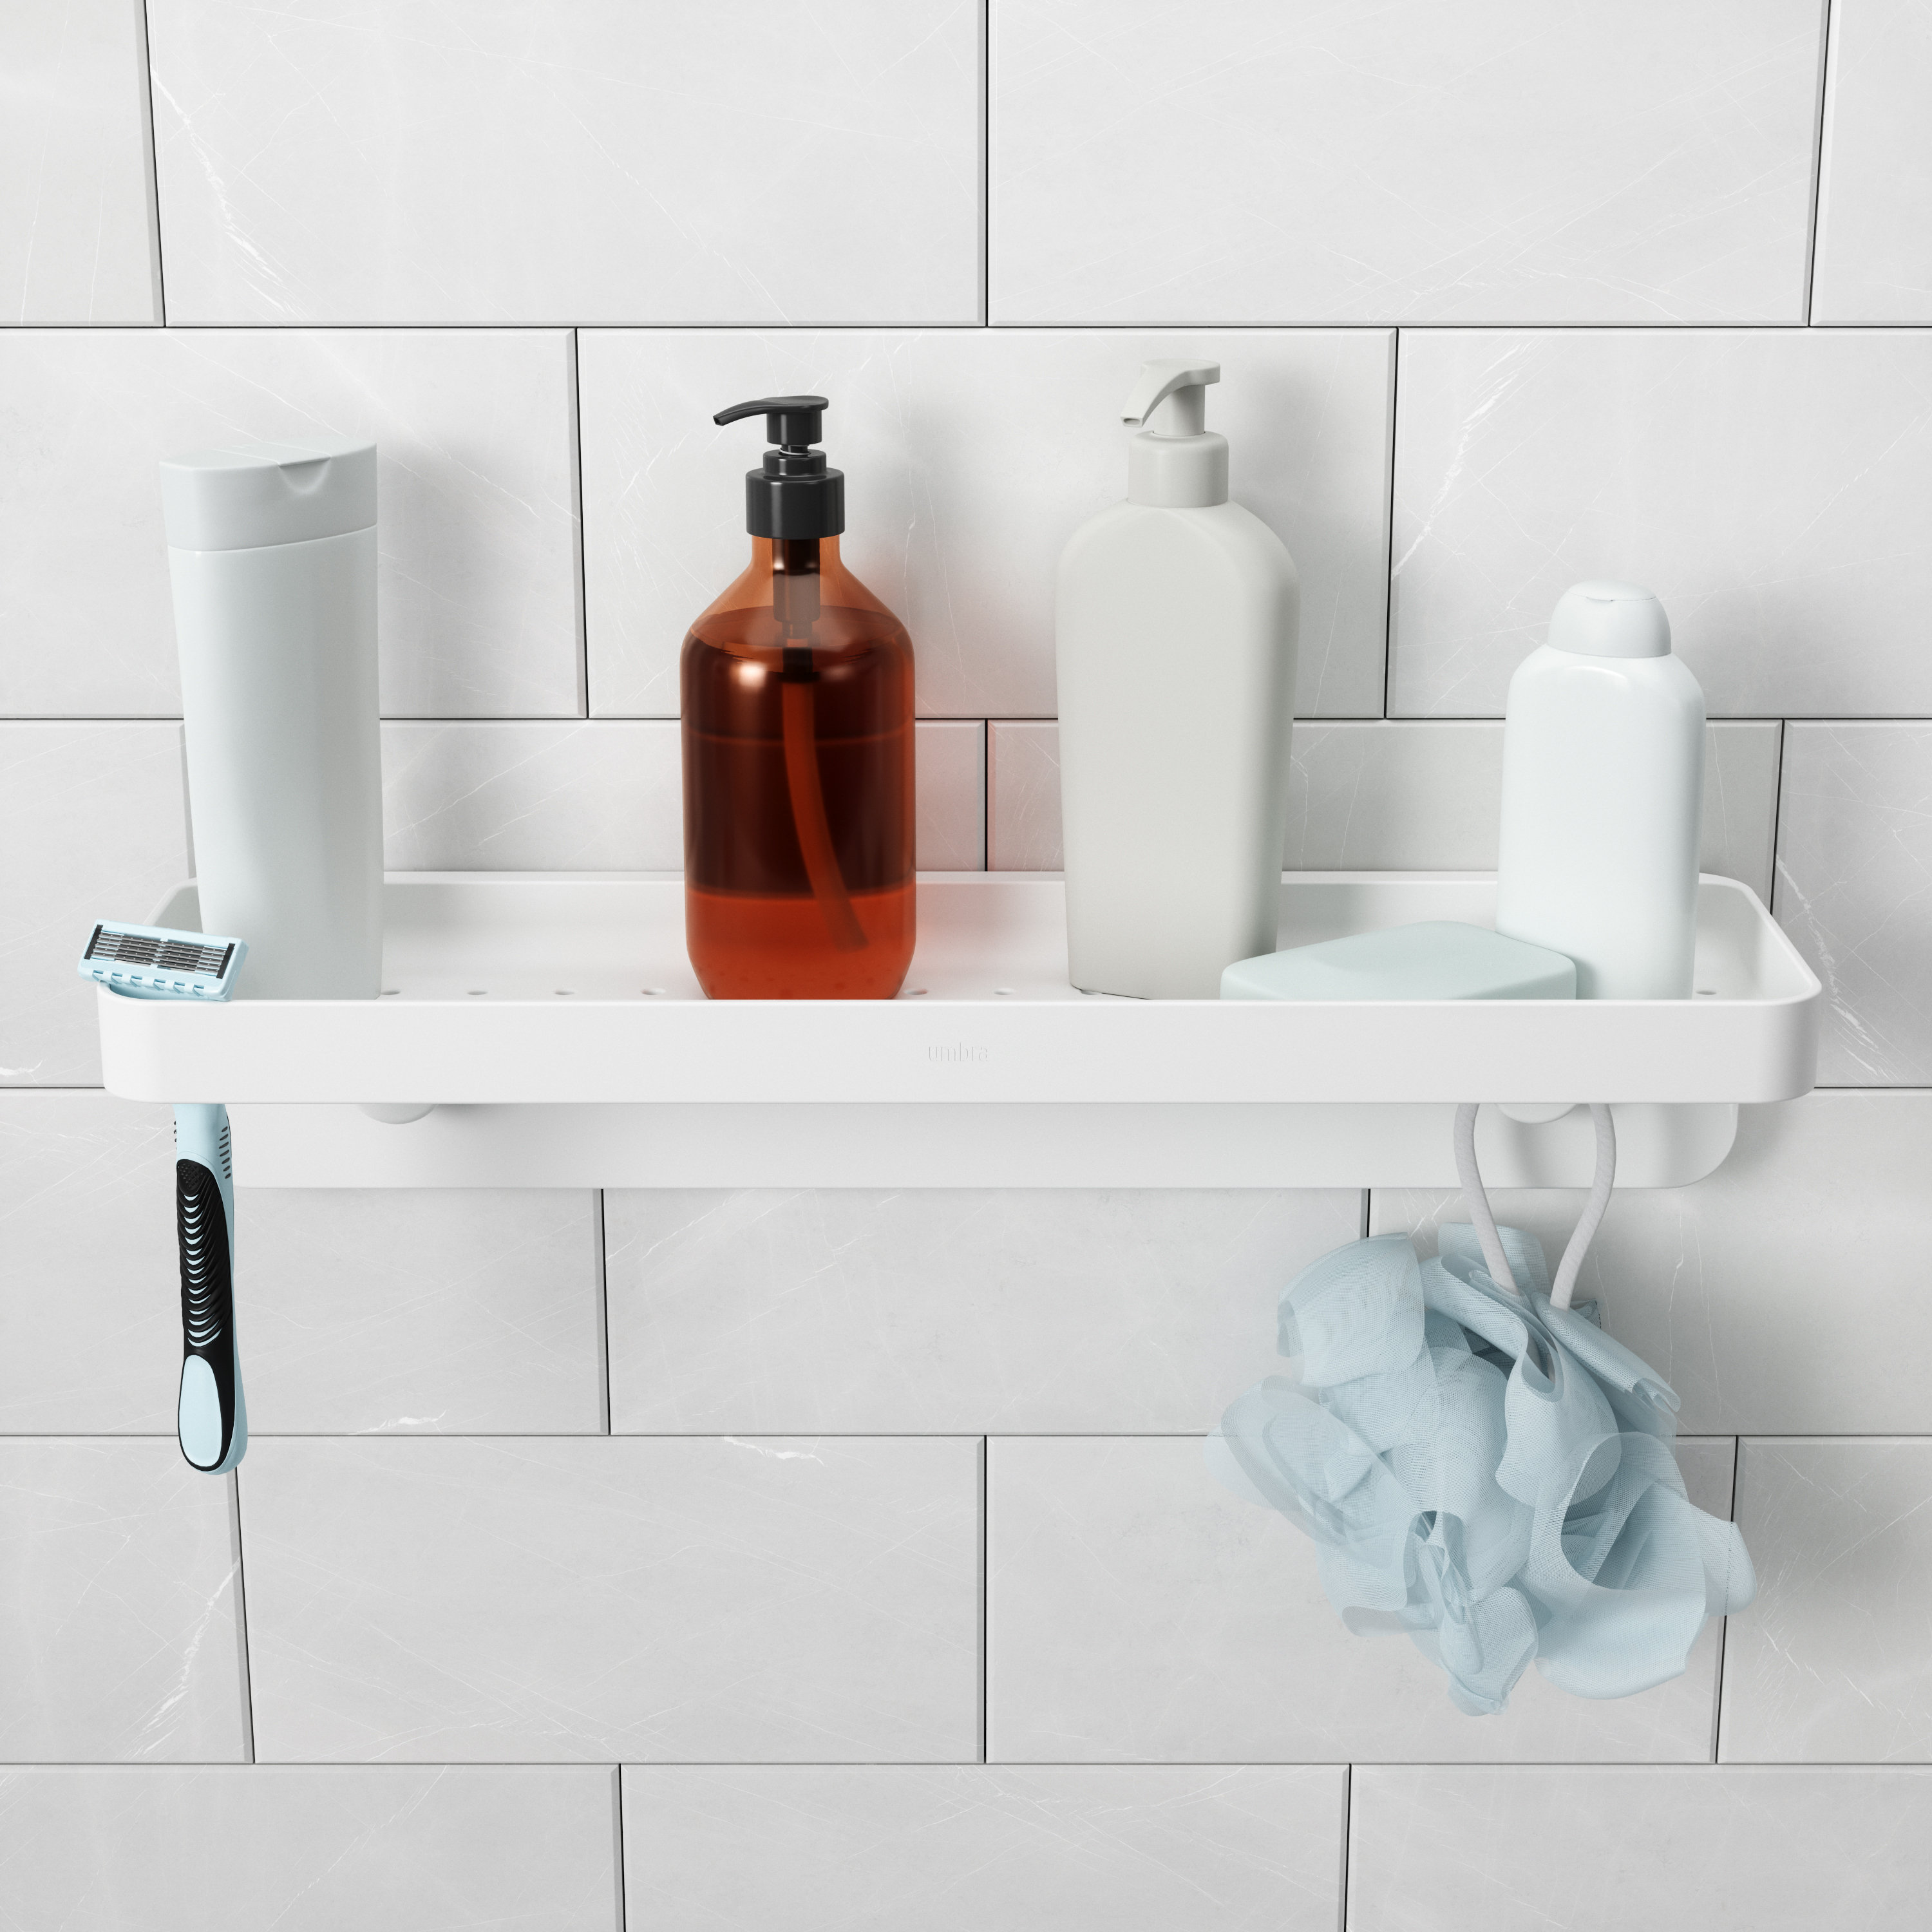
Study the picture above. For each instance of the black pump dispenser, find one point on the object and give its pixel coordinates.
(794, 495)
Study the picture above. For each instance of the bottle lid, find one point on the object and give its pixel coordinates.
(1609, 620)
(242, 496)
(1176, 462)
(794, 495)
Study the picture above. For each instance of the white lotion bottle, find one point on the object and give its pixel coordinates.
(1175, 621)
(271, 549)
(1603, 796)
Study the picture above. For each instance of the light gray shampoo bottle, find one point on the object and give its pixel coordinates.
(1175, 620)
(272, 548)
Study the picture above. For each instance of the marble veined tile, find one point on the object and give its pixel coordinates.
(1603, 1849)
(387, 1848)
(476, 535)
(520, 1600)
(1822, 1205)
(1874, 256)
(971, 457)
(1137, 1612)
(947, 1848)
(1767, 484)
(1832, 1664)
(76, 240)
(949, 1310)
(1287, 161)
(1854, 893)
(118, 1627)
(96, 829)
(600, 162)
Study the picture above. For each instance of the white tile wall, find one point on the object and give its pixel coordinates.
(95, 828)
(1398, 796)
(384, 1848)
(477, 588)
(1603, 1850)
(970, 459)
(1780, 1297)
(1028, 1309)
(1855, 861)
(1139, 1612)
(1875, 193)
(606, 796)
(1766, 484)
(1245, 160)
(556, 1601)
(119, 1634)
(600, 162)
(449, 1312)
(76, 242)
(956, 1849)
(902, 1480)
(1833, 1664)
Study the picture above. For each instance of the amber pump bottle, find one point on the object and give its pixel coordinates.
(797, 694)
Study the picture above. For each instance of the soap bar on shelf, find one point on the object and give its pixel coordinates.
(1436, 959)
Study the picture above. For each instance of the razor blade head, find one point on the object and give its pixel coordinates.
(151, 962)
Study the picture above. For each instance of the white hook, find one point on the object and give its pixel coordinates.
(1601, 1187)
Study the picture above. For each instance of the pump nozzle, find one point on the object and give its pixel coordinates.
(1176, 378)
(792, 421)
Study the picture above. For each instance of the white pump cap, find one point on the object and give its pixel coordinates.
(242, 496)
(1609, 620)
(1176, 462)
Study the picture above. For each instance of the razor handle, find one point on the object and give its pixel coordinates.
(211, 1419)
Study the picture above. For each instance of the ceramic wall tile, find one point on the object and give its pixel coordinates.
(1822, 1205)
(1874, 252)
(520, 1599)
(1601, 1850)
(1424, 796)
(96, 830)
(957, 1848)
(537, 164)
(960, 1310)
(1767, 484)
(390, 1848)
(76, 239)
(1248, 161)
(608, 796)
(1854, 857)
(447, 1311)
(1831, 1664)
(476, 585)
(971, 457)
(1137, 1611)
(90, 1296)
(118, 1629)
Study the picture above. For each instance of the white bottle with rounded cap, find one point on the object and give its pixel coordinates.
(1603, 797)
(272, 548)
(1175, 621)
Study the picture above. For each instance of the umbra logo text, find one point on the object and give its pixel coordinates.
(959, 1053)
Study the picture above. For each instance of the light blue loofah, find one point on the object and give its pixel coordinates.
(1486, 1471)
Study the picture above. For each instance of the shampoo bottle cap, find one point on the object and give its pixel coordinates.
(245, 496)
(1176, 462)
(794, 495)
(1609, 620)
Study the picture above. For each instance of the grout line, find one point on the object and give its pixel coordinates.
(1347, 1828)
(153, 164)
(1776, 822)
(1388, 554)
(617, 1772)
(985, 794)
(1819, 104)
(986, 1592)
(1724, 1623)
(603, 1306)
(578, 566)
(242, 1614)
(1899, 1768)
(986, 163)
(763, 1434)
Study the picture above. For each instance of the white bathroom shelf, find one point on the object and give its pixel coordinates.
(553, 1023)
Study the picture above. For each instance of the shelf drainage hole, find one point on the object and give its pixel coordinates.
(1707, 992)
(477, 992)
(1002, 992)
(651, 992)
(915, 992)
(391, 992)
(566, 992)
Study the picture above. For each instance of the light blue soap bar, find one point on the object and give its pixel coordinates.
(1439, 959)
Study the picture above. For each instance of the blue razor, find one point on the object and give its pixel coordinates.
(150, 962)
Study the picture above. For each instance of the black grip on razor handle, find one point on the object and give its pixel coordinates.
(207, 1284)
